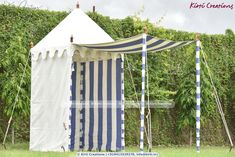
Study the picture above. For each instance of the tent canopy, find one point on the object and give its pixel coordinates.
(77, 24)
(134, 45)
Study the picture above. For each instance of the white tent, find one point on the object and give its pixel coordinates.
(63, 77)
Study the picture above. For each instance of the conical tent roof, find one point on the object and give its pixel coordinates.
(83, 29)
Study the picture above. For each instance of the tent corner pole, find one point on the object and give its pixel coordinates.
(198, 94)
(142, 105)
(122, 105)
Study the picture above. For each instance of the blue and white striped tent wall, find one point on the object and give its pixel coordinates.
(96, 111)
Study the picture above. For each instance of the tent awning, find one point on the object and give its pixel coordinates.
(134, 45)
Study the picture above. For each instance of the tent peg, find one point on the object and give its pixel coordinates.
(145, 29)
(93, 8)
(78, 6)
(71, 38)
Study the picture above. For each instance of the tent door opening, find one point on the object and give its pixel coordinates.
(95, 115)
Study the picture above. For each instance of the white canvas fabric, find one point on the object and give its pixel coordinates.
(50, 103)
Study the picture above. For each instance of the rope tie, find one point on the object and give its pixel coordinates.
(218, 102)
(16, 100)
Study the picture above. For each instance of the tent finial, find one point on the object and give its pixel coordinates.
(93, 8)
(197, 35)
(31, 45)
(78, 6)
(145, 29)
(71, 39)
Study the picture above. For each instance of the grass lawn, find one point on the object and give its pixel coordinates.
(20, 150)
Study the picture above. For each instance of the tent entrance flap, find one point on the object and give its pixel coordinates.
(96, 105)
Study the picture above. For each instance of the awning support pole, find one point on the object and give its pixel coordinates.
(198, 94)
(144, 51)
(122, 104)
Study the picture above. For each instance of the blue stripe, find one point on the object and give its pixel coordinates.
(197, 107)
(73, 110)
(197, 60)
(197, 119)
(143, 54)
(83, 103)
(198, 148)
(82, 72)
(197, 48)
(197, 72)
(118, 99)
(156, 49)
(197, 130)
(128, 44)
(168, 45)
(141, 117)
(140, 48)
(142, 92)
(141, 129)
(198, 84)
(91, 126)
(123, 45)
(109, 109)
(198, 95)
(142, 104)
(155, 43)
(100, 98)
(144, 40)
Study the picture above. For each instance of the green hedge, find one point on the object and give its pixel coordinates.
(171, 75)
